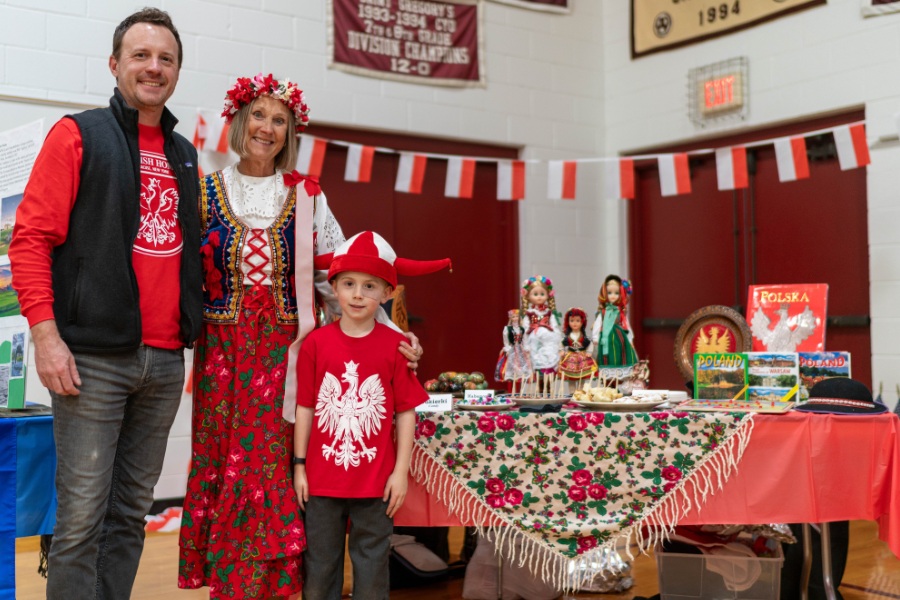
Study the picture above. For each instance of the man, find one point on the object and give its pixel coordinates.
(105, 260)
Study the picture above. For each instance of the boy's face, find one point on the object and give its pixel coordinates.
(360, 294)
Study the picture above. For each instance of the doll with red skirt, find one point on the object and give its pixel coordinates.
(576, 362)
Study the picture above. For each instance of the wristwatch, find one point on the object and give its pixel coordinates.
(298, 461)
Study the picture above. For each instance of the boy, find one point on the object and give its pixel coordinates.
(352, 384)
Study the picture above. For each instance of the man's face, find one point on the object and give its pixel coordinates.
(146, 70)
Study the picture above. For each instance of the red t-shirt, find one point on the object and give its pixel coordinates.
(42, 223)
(157, 249)
(355, 385)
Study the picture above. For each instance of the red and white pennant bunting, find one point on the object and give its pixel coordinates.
(674, 174)
(411, 173)
(731, 168)
(211, 127)
(312, 155)
(852, 147)
(618, 180)
(460, 181)
(790, 157)
(359, 163)
(561, 175)
(510, 179)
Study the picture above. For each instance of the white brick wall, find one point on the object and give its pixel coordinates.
(559, 86)
(544, 93)
(826, 59)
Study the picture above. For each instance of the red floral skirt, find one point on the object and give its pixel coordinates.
(577, 365)
(242, 532)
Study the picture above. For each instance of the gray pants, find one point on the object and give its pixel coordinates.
(110, 444)
(370, 544)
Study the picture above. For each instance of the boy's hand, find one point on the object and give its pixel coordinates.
(301, 486)
(395, 491)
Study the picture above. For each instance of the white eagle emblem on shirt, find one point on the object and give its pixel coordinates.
(350, 417)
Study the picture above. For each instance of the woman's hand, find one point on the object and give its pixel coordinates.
(412, 351)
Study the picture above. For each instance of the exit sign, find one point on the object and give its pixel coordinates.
(718, 92)
(721, 93)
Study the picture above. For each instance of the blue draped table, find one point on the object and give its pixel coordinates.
(27, 491)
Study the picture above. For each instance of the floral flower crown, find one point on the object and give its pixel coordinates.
(246, 90)
(544, 281)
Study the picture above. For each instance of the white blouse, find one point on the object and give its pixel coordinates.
(256, 202)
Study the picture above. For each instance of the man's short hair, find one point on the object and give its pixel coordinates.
(151, 15)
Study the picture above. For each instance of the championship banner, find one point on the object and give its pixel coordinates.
(558, 6)
(419, 41)
(664, 24)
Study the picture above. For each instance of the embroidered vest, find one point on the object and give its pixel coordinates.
(223, 236)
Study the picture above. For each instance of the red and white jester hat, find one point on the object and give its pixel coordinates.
(367, 252)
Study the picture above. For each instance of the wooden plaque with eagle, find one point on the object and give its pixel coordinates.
(711, 329)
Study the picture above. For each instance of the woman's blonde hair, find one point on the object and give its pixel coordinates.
(286, 159)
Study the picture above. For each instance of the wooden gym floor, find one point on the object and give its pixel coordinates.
(873, 572)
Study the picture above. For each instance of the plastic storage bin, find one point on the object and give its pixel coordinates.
(683, 576)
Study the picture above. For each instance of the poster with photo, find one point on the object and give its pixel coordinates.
(9, 300)
(8, 207)
(13, 357)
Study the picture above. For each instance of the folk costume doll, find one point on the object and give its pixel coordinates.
(611, 334)
(541, 323)
(514, 363)
(576, 362)
(242, 533)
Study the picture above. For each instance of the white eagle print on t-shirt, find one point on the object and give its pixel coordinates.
(350, 417)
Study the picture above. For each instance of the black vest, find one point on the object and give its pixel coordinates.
(96, 302)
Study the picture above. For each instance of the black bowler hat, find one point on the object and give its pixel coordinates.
(841, 395)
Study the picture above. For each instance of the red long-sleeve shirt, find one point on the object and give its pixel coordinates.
(42, 223)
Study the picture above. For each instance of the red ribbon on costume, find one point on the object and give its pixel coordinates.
(310, 182)
(542, 322)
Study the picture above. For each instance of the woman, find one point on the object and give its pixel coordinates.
(242, 533)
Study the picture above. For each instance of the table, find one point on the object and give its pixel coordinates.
(796, 467)
(27, 503)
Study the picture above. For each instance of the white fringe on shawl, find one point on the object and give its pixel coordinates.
(568, 574)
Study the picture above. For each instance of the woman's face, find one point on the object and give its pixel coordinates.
(575, 322)
(267, 128)
(537, 295)
(612, 292)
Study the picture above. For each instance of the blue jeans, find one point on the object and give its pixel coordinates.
(110, 444)
(370, 544)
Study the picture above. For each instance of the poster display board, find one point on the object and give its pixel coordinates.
(420, 41)
(663, 24)
(18, 149)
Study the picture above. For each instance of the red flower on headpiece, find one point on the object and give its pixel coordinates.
(246, 90)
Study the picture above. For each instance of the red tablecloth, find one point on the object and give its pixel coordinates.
(798, 467)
